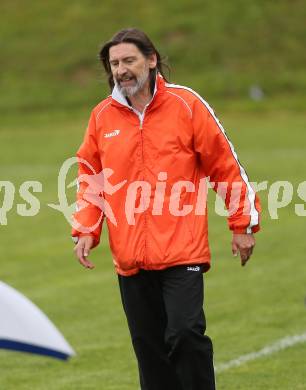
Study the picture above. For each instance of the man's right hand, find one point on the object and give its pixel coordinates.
(82, 249)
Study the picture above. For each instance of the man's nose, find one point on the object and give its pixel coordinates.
(121, 69)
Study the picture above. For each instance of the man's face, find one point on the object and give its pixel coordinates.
(130, 68)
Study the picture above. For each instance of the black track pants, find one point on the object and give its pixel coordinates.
(164, 310)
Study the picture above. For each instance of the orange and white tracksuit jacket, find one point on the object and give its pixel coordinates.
(152, 188)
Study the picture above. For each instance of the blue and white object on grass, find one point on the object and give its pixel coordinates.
(24, 327)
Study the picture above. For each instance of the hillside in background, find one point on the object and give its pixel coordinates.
(220, 48)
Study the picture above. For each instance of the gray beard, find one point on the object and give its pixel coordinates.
(132, 91)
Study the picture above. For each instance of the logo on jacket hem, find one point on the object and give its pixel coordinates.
(112, 134)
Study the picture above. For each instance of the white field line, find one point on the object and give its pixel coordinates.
(279, 345)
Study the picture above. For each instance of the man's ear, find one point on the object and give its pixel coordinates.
(152, 61)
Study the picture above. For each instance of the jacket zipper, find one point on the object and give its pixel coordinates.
(141, 120)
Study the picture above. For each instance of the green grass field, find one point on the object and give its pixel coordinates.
(247, 308)
(49, 49)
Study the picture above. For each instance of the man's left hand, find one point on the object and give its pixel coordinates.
(243, 244)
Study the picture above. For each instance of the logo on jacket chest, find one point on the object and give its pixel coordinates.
(113, 133)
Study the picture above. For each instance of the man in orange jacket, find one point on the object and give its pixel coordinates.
(143, 164)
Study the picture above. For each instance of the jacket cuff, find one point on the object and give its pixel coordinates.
(255, 229)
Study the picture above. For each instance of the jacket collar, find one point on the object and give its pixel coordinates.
(118, 97)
